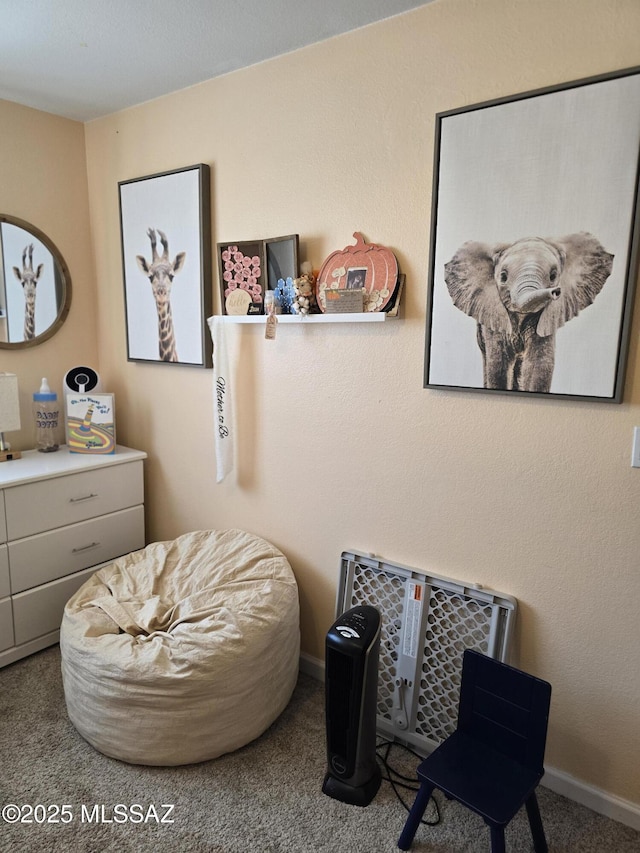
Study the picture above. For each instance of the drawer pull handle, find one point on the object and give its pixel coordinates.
(79, 500)
(85, 548)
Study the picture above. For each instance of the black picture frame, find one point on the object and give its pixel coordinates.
(282, 259)
(165, 225)
(550, 176)
(248, 268)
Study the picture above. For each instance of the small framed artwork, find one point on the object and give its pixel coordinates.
(534, 242)
(90, 423)
(282, 259)
(166, 258)
(248, 268)
(241, 267)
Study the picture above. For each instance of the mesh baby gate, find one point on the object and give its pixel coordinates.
(427, 623)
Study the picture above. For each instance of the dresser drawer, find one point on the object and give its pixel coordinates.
(4, 572)
(61, 552)
(36, 507)
(6, 624)
(3, 526)
(39, 611)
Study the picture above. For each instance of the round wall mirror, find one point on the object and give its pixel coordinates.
(35, 285)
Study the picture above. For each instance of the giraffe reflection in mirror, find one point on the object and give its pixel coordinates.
(161, 272)
(29, 280)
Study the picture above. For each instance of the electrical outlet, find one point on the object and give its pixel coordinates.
(635, 450)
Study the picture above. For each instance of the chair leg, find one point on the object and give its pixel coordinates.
(497, 839)
(415, 816)
(535, 822)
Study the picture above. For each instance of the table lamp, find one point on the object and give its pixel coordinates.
(9, 414)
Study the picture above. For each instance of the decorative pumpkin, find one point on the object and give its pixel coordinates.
(370, 266)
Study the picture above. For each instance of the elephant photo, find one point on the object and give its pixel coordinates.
(520, 294)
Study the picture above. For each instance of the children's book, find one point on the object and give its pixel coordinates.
(91, 423)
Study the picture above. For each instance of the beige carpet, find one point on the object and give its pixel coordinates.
(266, 797)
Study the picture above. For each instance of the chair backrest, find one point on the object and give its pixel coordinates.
(505, 708)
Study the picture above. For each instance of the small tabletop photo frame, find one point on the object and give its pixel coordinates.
(247, 269)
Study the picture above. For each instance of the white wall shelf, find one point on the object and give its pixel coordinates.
(369, 317)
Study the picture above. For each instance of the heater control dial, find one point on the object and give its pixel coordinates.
(359, 623)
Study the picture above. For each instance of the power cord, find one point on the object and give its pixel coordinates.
(397, 780)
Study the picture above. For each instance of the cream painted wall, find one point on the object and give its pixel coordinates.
(339, 445)
(43, 180)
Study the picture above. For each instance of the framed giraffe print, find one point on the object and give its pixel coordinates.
(166, 261)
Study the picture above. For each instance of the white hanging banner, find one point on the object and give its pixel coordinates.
(222, 400)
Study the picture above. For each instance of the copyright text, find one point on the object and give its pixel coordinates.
(95, 813)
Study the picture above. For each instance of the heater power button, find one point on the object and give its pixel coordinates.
(338, 764)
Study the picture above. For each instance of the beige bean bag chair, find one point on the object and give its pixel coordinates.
(182, 651)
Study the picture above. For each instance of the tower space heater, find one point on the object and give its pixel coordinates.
(351, 687)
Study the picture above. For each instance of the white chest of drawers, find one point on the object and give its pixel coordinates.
(62, 516)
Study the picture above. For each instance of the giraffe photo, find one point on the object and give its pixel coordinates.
(31, 286)
(29, 278)
(161, 271)
(167, 266)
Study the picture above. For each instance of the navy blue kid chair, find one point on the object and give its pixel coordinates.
(493, 762)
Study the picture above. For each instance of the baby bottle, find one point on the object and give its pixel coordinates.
(45, 413)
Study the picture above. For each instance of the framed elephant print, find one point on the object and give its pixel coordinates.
(534, 241)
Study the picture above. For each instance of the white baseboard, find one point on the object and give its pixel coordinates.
(312, 666)
(593, 798)
(562, 783)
